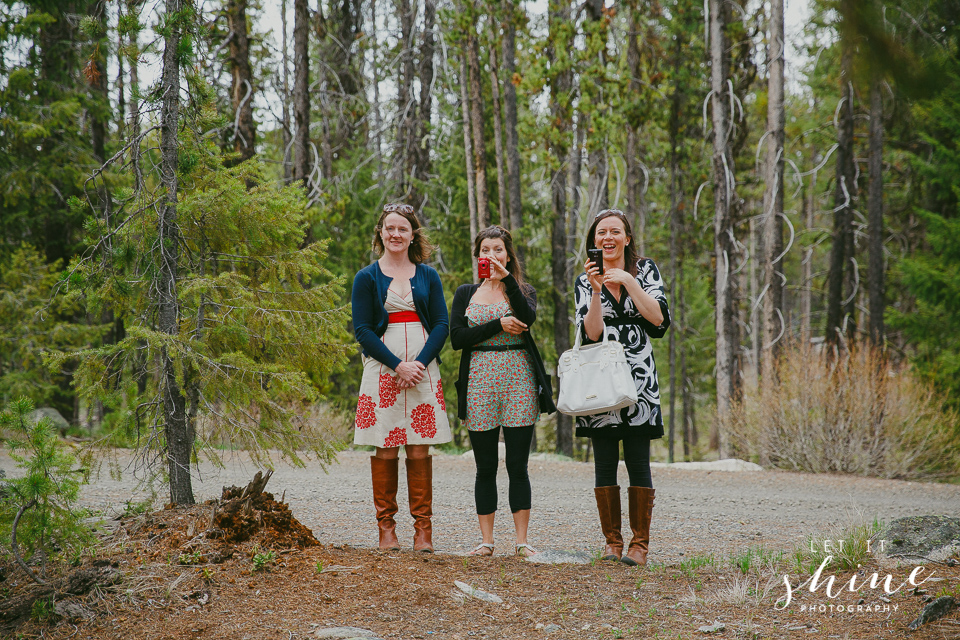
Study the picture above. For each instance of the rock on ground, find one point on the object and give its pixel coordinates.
(473, 592)
(59, 422)
(921, 539)
(556, 556)
(934, 611)
(345, 633)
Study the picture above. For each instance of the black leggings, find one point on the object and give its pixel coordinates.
(636, 455)
(484, 443)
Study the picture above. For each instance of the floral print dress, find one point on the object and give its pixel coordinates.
(388, 416)
(501, 389)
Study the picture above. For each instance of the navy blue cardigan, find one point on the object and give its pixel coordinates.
(370, 317)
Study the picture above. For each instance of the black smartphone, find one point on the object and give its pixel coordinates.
(596, 257)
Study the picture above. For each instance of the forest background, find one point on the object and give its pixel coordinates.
(186, 195)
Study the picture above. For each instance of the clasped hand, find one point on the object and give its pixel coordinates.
(409, 374)
(512, 326)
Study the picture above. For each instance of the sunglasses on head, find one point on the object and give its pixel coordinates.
(397, 208)
(615, 212)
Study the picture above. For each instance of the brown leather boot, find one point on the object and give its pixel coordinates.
(641, 510)
(420, 490)
(608, 505)
(384, 474)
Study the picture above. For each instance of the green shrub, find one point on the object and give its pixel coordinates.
(850, 413)
(45, 495)
(262, 558)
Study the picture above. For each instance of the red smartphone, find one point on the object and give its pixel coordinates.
(483, 267)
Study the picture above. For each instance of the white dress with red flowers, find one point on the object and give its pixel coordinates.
(388, 416)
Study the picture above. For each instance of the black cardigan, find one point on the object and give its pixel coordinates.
(524, 306)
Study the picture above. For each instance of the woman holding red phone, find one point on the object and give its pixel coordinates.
(502, 380)
(622, 293)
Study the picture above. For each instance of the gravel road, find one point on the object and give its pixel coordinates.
(696, 511)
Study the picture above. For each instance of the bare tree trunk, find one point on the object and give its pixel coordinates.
(345, 27)
(468, 154)
(843, 206)
(773, 320)
(96, 72)
(598, 174)
(754, 313)
(326, 73)
(301, 95)
(875, 213)
(476, 122)
(689, 431)
(674, 264)
(133, 60)
(425, 111)
(574, 185)
(806, 294)
(176, 432)
(636, 209)
(326, 131)
(560, 85)
(725, 249)
(287, 165)
(673, 129)
(241, 88)
(375, 73)
(406, 106)
(121, 82)
(636, 203)
(510, 122)
(598, 192)
(502, 212)
(97, 75)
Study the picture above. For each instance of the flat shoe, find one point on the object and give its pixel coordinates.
(482, 550)
(525, 550)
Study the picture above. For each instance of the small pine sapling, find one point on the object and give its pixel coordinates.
(38, 513)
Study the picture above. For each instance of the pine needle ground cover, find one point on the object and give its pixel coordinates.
(273, 584)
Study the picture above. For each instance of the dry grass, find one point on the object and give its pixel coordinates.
(853, 413)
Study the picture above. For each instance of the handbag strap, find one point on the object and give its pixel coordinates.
(577, 341)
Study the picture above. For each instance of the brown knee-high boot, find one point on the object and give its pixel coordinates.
(384, 474)
(420, 490)
(641, 510)
(608, 505)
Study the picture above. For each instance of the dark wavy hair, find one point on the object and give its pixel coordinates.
(630, 256)
(496, 232)
(420, 248)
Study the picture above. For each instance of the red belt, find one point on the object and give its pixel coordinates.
(403, 316)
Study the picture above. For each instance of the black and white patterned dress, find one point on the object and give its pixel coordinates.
(625, 324)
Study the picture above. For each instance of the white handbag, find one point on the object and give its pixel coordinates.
(595, 378)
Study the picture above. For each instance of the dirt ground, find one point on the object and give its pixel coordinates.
(194, 573)
(165, 593)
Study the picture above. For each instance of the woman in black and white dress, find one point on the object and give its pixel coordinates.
(628, 299)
